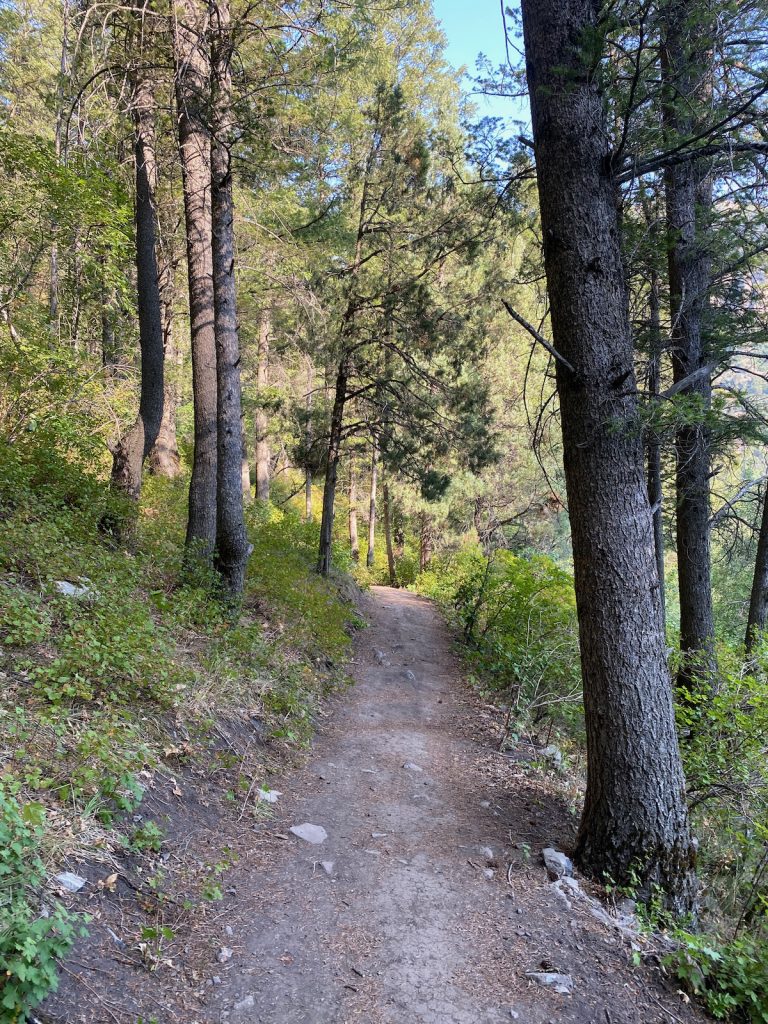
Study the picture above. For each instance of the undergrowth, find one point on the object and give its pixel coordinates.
(110, 665)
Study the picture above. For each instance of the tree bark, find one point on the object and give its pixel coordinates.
(388, 537)
(758, 601)
(653, 444)
(369, 558)
(131, 450)
(164, 458)
(354, 540)
(332, 470)
(192, 68)
(686, 73)
(634, 825)
(263, 456)
(425, 542)
(232, 548)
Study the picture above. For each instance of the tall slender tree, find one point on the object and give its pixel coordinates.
(232, 547)
(192, 77)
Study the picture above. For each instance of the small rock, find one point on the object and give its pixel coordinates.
(245, 1004)
(487, 854)
(79, 591)
(314, 834)
(557, 863)
(224, 955)
(555, 887)
(411, 767)
(70, 881)
(571, 884)
(514, 1015)
(562, 983)
(378, 835)
(216, 979)
(229, 931)
(269, 796)
(553, 754)
(327, 866)
(410, 675)
(600, 915)
(379, 656)
(485, 803)
(489, 873)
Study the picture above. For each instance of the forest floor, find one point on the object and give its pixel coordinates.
(427, 903)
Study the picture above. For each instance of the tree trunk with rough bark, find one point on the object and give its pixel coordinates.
(354, 540)
(232, 548)
(131, 450)
(653, 444)
(309, 442)
(164, 458)
(263, 455)
(686, 74)
(332, 470)
(369, 558)
(634, 825)
(758, 601)
(388, 537)
(192, 69)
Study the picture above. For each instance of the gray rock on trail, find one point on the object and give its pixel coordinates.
(410, 676)
(562, 983)
(314, 834)
(557, 864)
(269, 796)
(327, 866)
(247, 1003)
(411, 767)
(70, 881)
(224, 955)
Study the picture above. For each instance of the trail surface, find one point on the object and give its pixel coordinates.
(432, 904)
(426, 903)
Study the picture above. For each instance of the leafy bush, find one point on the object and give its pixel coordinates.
(730, 977)
(33, 933)
(518, 617)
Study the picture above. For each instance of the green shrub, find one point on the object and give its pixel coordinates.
(730, 977)
(518, 618)
(34, 932)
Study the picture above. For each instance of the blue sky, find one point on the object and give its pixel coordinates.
(473, 28)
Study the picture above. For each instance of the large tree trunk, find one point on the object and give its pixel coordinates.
(164, 458)
(388, 537)
(263, 456)
(309, 441)
(758, 601)
(131, 450)
(354, 540)
(653, 443)
(686, 72)
(332, 470)
(369, 558)
(192, 99)
(634, 825)
(232, 548)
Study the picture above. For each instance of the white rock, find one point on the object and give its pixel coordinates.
(566, 882)
(409, 675)
(314, 834)
(556, 862)
(78, 591)
(327, 866)
(269, 796)
(411, 767)
(552, 754)
(562, 983)
(70, 881)
(489, 873)
(224, 954)
(245, 1004)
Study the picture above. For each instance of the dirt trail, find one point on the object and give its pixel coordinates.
(433, 902)
(417, 921)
